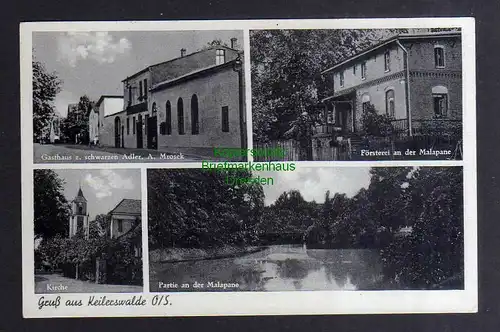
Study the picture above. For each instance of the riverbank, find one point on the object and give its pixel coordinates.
(175, 255)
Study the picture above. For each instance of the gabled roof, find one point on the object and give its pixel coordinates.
(402, 37)
(180, 57)
(192, 74)
(128, 207)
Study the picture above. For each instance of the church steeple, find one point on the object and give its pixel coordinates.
(79, 195)
(79, 219)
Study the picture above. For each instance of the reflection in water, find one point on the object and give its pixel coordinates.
(280, 268)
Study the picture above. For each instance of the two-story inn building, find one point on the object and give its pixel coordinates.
(189, 104)
(413, 78)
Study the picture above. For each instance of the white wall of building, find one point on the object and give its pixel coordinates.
(112, 106)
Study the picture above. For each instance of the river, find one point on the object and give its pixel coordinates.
(276, 268)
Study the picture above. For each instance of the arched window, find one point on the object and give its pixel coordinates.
(154, 110)
(390, 108)
(180, 116)
(439, 56)
(195, 126)
(365, 101)
(168, 118)
(440, 101)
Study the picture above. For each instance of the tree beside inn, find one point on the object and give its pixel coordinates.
(188, 104)
(415, 79)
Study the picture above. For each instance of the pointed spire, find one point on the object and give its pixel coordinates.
(80, 192)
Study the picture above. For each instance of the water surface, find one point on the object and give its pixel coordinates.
(277, 268)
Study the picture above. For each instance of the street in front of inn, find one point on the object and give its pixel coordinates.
(63, 153)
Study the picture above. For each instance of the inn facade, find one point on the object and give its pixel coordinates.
(416, 79)
(188, 104)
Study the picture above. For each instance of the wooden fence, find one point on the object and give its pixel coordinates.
(290, 147)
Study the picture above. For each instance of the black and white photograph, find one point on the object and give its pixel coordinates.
(358, 94)
(87, 231)
(343, 229)
(248, 167)
(137, 96)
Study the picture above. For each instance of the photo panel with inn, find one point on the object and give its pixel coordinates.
(137, 96)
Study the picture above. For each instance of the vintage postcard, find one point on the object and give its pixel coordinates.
(248, 167)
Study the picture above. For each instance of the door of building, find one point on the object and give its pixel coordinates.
(152, 133)
(139, 132)
(341, 116)
(123, 136)
(117, 132)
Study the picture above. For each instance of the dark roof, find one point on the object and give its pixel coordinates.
(128, 207)
(116, 114)
(191, 75)
(79, 195)
(106, 96)
(405, 36)
(137, 108)
(180, 57)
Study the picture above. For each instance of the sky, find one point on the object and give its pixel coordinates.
(103, 188)
(95, 63)
(313, 182)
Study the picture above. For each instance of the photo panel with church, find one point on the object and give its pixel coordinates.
(365, 94)
(87, 231)
(137, 96)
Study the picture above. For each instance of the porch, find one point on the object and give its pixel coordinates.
(337, 115)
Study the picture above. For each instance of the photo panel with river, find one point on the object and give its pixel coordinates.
(310, 229)
(132, 96)
(87, 231)
(362, 94)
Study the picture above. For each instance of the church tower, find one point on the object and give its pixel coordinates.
(79, 219)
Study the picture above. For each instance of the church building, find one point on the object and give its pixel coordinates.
(124, 218)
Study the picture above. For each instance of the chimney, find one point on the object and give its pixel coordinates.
(418, 31)
(233, 42)
(183, 52)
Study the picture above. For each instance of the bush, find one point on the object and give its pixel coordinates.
(123, 267)
(374, 124)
